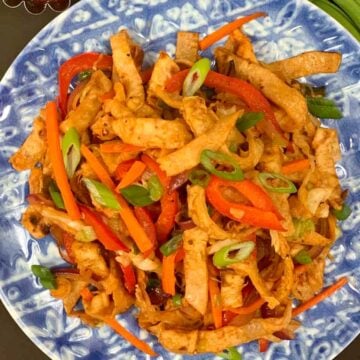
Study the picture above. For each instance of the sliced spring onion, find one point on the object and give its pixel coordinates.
(199, 177)
(86, 234)
(230, 354)
(172, 245)
(56, 195)
(137, 195)
(156, 190)
(46, 277)
(177, 299)
(302, 227)
(323, 108)
(233, 147)
(207, 158)
(70, 147)
(196, 77)
(222, 257)
(249, 120)
(84, 75)
(343, 213)
(101, 194)
(303, 257)
(290, 187)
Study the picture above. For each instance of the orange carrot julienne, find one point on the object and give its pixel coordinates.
(295, 166)
(57, 162)
(97, 166)
(227, 29)
(215, 300)
(86, 294)
(136, 231)
(134, 173)
(131, 338)
(320, 297)
(111, 147)
(244, 310)
(168, 274)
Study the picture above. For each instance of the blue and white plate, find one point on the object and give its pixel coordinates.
(293, 26)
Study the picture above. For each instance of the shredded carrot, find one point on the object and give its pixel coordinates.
(123, 168)
(168, 274)
(249, 308)
(86, 294)
(134, 173)
(215, 299)
(155, 167)
(131, 338)
(263, 345)
(227, 29)
(57, 162)
(136, 231)
(116, 146)
(97, 166)
(146, 74)
(320, 297)
(295, 166)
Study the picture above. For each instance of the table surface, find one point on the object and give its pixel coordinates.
(14, 344)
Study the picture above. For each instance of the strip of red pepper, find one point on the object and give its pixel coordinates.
(72, 67)
(129, 278)
(246, 214)
(251, 96)
(104, 234)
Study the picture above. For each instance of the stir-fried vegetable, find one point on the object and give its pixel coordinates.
(56, 196)
(323, 108)
(248, 120)
(303, 257)
(207, 159)
(137, 195)
(101, 194)
(230, 354)
(70, 147)
(177, 300)
(172, 245)
(199, 177)
(46, 277)
(343, 213)
(156, 190)
(196, 77)
(233, 254)
(289, 187)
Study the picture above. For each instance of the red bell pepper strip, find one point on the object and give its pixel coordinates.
(243, 213)
(123, 168)
(72, 67)
(103, 233)
(263, 345)
(129, 278)
(154, 167)
(144, 219)
(248, 93)
(166, 221)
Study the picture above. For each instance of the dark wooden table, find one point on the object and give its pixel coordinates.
(14, 345)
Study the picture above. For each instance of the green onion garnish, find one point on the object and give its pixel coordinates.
(70, 147)
(46, 277)
(290, 187)
(196, 77)
(343, 213)
(249, 120)
(323, 108)
(156, 190)
(171, 246)
(101, 194)
(56, 195)
(230, 354)
(137, 195)
(303, 227)
(207, 158)
(303, 257)
(199, 177)
(243, 250)
(84, 75)
(177, 299)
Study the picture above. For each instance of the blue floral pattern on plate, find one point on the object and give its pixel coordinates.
(293, 26)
